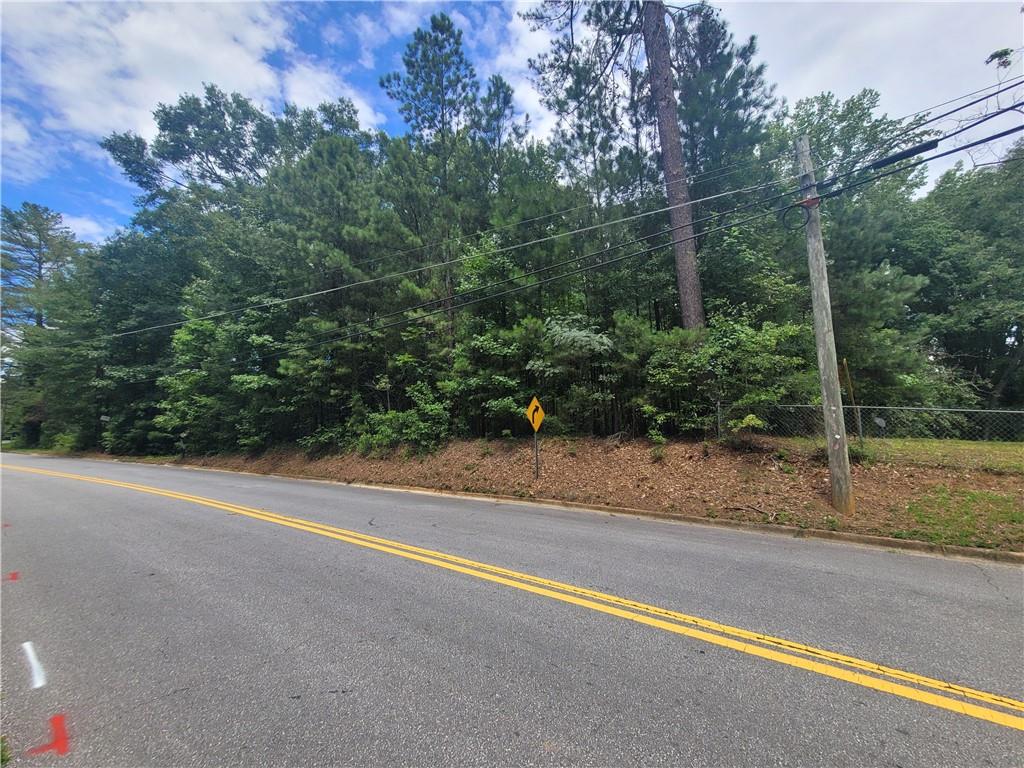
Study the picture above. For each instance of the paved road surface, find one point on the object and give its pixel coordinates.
(214, 632)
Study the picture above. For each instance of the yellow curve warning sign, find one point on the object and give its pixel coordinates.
(535, 414)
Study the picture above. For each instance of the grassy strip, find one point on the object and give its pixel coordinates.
(966, 518)
(995, 457)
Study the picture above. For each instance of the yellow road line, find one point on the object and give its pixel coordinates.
(615, 606)
(788, 645)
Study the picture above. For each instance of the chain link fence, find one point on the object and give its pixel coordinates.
(865, 422)
(991, 440)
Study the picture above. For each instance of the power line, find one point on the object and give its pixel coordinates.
(516, 246)
(918, 149)
(721, 172)
(488, 297)
(618, 259)
(449, 262)
(370, 327)
(892, 141)
(922, 161)
(1007, 87)
(417, 270)
(574, 259)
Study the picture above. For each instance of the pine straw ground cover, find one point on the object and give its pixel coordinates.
(768, 484)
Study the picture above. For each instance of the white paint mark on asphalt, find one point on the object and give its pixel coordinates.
(38, 675)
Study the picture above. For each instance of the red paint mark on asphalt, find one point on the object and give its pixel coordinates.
(58, 738)
(6, 525)
(12, 576)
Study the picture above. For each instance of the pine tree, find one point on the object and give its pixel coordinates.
(36, 245)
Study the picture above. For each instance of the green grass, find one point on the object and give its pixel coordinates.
(966, 518)
(997, 457)
(1005, 458)
(5, 751)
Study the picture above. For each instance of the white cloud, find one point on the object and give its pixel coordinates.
(90, 229)
(483, 24)
(518, 44)
(461, 22)
(308, 84)
(913, 54)
(371, 35)
(85, 70)
(402, 18)
(105, 67)
(27, 154)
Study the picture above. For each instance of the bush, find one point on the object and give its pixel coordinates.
(63, 442)
(741, 432)
(424, 427)
(749, 422)
(858, 453)
(325, 439)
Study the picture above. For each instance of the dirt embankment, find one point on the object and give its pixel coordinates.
(936, 504)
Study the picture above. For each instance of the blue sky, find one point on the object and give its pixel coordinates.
(72, 73)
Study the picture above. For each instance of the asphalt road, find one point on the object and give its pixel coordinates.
(178, 632)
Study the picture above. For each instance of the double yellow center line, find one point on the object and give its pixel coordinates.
(937, 693)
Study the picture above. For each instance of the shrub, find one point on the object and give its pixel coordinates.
(325, 439)
(748, 422)
(861, 453)
(858, 453)
(423, 427)
(63, 442)
(741, 432)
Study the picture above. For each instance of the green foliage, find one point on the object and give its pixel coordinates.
(416, 321)
(730, 361)
(749, 422)
(61, 442)
(861, 453)
(37, 247)
(423, 427)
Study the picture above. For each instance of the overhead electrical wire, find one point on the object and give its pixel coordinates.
(446, 263)
(592, 254)
(371, 323)
(892, 140)
(825, 183)
(918, 148)
(922, 161)
(371, 326)
(516, 289)
(517, 246)
(720, 172)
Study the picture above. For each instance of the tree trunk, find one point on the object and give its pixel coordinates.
(659, 66)
(40, 274)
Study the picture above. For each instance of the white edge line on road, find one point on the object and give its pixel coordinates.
(38, 673)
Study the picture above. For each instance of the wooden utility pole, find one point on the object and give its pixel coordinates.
(659, 68)
(824, 337)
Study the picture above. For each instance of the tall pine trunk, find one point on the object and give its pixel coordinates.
(659, 67)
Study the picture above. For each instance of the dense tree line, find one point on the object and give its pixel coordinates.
(428, 264)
